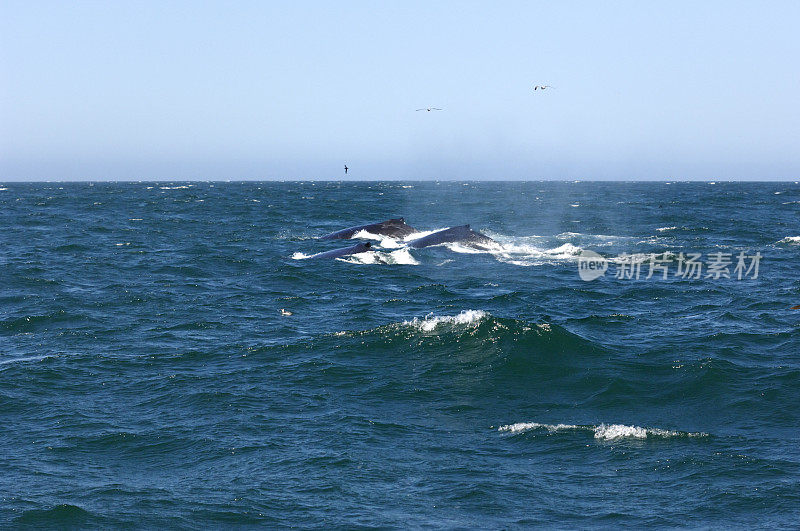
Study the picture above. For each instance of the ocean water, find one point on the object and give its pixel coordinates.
(149, 379)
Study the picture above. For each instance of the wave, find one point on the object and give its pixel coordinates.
(64, 515)
(431, 322)
(789, 240)
(605, 432)
(501, 348)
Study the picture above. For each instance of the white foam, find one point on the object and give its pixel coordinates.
(531, 255)
(594, 237)
(175, 187)
(29, 358)
(3, 189)
(430, 322)
(664, 229)
(300, 256)
(386, 242)
(370, 257)
(402, 256)
(604, 432)
(520, 427)
(790, 239)
(458, 247)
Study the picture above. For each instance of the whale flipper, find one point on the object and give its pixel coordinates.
(395, 228)
(460, 234)
(346, 251)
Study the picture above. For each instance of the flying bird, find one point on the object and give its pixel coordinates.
(345, 169)
(542, 87)
(429, 109)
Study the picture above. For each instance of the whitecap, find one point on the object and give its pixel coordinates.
(399, 256)
(430, 322)
(386, 242)
(520, 427)
(27, 358)
(603, 432)
(402, 256)
(370, 257)
(793, 240)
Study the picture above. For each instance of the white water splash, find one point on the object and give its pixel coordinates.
(28, 358)
(400, 256)
(520, 427)
(532, 255)
(792, 240)
(605, 432)
(387, 242)
(430, 322)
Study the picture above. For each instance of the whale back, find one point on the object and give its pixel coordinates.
(460, 233)
(395, 228)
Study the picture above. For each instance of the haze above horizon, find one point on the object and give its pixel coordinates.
(251, 90)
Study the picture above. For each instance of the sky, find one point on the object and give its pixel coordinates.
(170, 90)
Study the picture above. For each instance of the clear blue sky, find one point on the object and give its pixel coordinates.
(296, 89)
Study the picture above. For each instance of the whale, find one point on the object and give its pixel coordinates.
(345, 251)
(395, 228)
(461, 234)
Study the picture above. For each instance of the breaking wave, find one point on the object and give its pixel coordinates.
(431, 322)
(605, 432)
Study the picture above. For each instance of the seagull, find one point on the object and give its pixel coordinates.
(429, 109)
(285, 312)
(541, 87)
(345, 169)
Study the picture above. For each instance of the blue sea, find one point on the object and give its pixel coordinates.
(170, 358)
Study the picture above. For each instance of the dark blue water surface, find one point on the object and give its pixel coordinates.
(148, 377)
